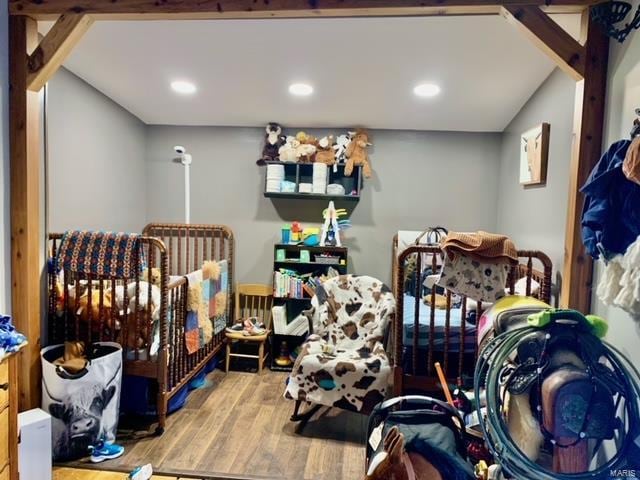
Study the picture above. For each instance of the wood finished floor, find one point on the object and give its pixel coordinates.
(63, 473)
(238, 426)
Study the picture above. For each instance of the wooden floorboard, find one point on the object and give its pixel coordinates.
(63, 473)
(237, 426)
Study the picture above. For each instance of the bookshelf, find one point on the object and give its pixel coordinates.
(292, 293)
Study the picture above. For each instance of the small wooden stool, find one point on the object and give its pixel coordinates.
(251, 301)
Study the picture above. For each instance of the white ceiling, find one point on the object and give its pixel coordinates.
(363, 70)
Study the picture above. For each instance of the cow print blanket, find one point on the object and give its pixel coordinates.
(343, 363)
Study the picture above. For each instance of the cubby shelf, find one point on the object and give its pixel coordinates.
(303, 173)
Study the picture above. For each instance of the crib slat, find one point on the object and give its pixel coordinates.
(416, 317)
(447, 322)
(463, 339)
(432, 318)
(77, 306)
(100, 309)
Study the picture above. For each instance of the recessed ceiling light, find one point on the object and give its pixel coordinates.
(183, 87)
(300, 89)
(426, 90)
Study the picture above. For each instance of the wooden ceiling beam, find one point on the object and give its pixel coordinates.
(55, 47)
(212, 9)
(550, 37)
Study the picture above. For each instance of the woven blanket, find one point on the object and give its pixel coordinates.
(104, 254)
(481, 245)
(206, 304)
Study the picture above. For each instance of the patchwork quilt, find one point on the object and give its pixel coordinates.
(206, 304)
(343, 363)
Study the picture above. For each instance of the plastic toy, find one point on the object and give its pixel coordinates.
(311, 236)
(296, 232)
(332, 225)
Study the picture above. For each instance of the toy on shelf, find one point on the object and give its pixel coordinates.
(288, 151)
(311, 236)
(325, 152)
(357, 154)
(331, 227)
(342, 143)
(273, 141)
(306, 150)
(296, 232)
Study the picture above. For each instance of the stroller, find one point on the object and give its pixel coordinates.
(430, 427)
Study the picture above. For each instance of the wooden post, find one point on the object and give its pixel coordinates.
(24, 131)
(586, 150)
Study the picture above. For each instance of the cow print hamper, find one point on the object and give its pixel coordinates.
(84, 406)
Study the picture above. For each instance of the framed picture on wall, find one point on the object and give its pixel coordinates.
(534, 155)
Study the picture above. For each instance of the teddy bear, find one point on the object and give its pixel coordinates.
(287, 152)
(155, 276)
(306, 151)
(342, 142)
(324, 151)
(273, 141)
(357, 154)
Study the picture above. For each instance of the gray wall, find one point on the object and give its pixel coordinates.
(623, 96)
(535, 217)
(5, 230)
(420, 179)
(96, 155)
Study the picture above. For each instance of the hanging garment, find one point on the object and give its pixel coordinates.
(620, 282)
(631, 164)
(611, 214)
(483, 281)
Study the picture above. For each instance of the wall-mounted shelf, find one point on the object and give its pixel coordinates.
(303, 173)
(311, 196)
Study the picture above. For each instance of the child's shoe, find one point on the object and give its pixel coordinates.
(105, 451)
(141, 473)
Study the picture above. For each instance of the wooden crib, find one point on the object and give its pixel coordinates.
(153, 344)
(417, 345)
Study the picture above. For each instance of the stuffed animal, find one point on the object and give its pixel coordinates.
(304, 137)
(92, 315)
(306, 151)
(324, 151)
(342, 142)
(273, 141)
(211, 270)
(357, 154)
(287, 152)
(155, 276)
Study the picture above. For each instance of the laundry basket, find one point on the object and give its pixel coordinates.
(84, 406)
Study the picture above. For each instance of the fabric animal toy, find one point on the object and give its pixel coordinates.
(287, 152)
(357, 154)
(342, 142)
(306, 151)
(324, 151)
(211, 270)
(273, 142)
(155, 276)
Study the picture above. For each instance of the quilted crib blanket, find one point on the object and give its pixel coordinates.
(206, 304)
(344, 364)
